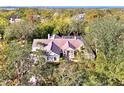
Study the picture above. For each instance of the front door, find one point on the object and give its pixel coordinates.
(68, 53)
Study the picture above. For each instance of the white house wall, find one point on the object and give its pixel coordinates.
(34, 48)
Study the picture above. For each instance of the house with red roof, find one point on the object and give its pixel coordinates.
(56, 46)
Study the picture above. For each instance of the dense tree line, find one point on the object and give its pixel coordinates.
(103, 29)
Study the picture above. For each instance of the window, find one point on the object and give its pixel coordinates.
(54, 58)
(64, 51)
(61, 54)
(47, 58)
(75, 53)
(50, 58)
(72, 51)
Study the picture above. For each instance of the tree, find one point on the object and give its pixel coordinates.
(20, 68)
(17, 62)
(107, 33)
(3, 24)
(20, 30)
(77, 26)
(61, 25)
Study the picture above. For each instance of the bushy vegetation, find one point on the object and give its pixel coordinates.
(103, 29)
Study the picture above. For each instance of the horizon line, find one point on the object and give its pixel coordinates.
(61, 7)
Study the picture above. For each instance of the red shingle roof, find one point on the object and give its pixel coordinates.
(58, 44)
(67, 45)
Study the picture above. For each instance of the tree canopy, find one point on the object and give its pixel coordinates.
(103, 29)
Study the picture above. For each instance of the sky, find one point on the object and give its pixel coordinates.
(61, 2)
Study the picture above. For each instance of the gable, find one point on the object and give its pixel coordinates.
(68, 45)
(53, 47)
(57, 45)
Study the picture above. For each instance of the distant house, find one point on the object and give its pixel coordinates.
(56, 46)
(14, 19)
(79, 17)
(35, 17)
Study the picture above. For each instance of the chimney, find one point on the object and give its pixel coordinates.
(48, 36)
(53, 37)
(75, 37)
